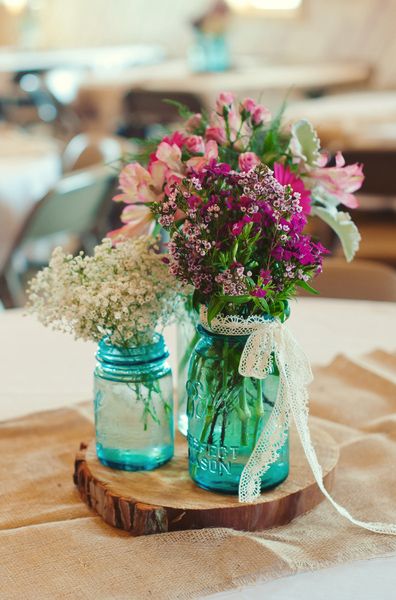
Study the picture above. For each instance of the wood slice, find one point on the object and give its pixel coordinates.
(166, 499)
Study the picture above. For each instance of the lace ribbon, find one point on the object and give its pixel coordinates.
(268, 338)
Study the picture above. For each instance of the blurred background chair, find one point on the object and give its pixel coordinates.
(74, 214)
(361, 279)
(86, 150)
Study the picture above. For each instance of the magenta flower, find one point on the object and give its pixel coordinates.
(265, 275)
(177, 137)
(340, 181)
(285, 176)
(248, 161)
(258, 292)
(236, 228)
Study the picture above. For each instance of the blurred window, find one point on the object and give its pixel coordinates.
(267, 7)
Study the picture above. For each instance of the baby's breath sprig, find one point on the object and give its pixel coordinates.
(124, 293)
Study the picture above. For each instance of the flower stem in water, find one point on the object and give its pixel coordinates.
(244, 412)
(259, 405)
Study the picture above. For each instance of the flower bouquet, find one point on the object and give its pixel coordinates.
(241, 245)
(121, 297)
(242, 136)
(239, 138)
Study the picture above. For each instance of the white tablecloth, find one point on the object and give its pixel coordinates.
(29, 166)
(41, 369)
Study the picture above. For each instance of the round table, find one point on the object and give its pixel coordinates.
(57, 371)
(29, 166)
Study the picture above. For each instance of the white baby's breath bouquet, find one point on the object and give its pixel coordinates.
(124, 293)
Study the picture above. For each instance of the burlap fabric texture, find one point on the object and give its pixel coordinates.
(53, 547)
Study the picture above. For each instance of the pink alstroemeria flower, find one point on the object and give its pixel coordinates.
(285, 176)
(247, 161)
(340, 181)
(211, 152)
(170, 155)
(139, 221)
(139, 185)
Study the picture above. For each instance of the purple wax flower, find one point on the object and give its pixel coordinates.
(259, 292)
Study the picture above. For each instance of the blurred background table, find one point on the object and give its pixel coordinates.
(59, 370)
(102, 93)
(100, 57)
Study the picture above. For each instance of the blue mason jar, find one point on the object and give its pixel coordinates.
(209, 53)
(133, 402)
(186, 339)
(226, 415)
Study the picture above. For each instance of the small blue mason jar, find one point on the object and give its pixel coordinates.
(226, 415)
(133, 402)
(209, 52)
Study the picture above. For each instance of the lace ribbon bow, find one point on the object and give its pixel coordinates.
(269, 339)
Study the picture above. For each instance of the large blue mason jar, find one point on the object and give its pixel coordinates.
(133, 401)
(226, 415)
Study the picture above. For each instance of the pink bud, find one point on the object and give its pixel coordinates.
(195, 144)
(193, 122)
(249, 105)
(217, 134)
(224, 100)
(247, 161)
(261, 114)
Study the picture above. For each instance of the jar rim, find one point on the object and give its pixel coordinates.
(220, 336)
(132, 355)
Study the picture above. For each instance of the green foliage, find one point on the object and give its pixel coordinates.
(183, 110)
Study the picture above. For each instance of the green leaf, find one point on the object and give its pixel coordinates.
(156, 230)
(306, 286)
(257, 302)
(235, 249)
(264, 304)
(183, 110)
(214, 308)
(196, 300)
(236, 299)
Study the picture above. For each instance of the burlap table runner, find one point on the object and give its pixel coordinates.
(53, 547)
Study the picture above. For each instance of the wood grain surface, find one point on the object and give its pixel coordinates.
(166, 499)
